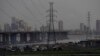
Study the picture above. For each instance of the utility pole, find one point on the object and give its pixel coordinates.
(51, 30)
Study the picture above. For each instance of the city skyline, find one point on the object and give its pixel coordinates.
(72, 12)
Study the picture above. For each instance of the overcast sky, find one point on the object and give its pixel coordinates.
(72, 12)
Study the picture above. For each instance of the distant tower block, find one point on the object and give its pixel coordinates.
(7, 27)
(14, 24)
(98, 26)
(85, 28)
(60, 25)
(81, 27)
(42, 28)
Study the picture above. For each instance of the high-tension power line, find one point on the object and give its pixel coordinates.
(11, 5)
(28, 9)
(39, 11)
(41, 4)
(34, 4)
(5, 13)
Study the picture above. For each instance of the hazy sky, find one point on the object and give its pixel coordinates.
(72, 12)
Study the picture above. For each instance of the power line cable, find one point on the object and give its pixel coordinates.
(15, 8)
(42, 6)
(5, 13)
(33, 3)
(28, 9)
(39, 11)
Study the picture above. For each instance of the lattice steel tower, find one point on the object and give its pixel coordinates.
(51, 30)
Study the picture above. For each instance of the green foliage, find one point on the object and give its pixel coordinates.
(68, 50)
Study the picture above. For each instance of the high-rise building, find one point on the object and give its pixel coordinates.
(28, 28)
(7, 27)
(98, 26)
(60, 25)
(86, 28)
(22, 25)
(81, 26)
(42, 28)
(19, 25)
(14, 24)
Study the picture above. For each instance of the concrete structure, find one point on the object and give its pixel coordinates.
(42, 28)
(60, 25)
(98, 26)
(19, 25)
(85, 28)
(82, 27)
(14, 38)
(7, 27)
(14, 24)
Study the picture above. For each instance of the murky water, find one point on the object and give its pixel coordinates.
(76, 38)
